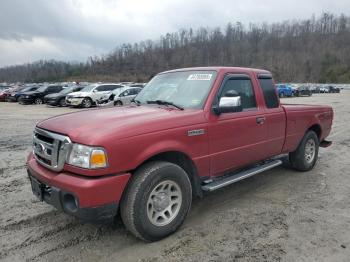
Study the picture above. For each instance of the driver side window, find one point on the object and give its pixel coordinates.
(244, 89)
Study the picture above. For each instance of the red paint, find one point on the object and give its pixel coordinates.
(133, 134)
(90, 192)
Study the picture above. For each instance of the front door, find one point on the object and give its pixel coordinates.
(237, 139)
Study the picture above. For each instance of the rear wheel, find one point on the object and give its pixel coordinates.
(305, 156)
(38, 101)
(87, 102)
(118, 103)
(157, 200)
(281, 95)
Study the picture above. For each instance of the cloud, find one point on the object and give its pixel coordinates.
(76, 29)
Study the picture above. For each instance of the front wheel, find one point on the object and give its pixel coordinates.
(38, 101)
(118, 103)
(87, 103)
(157, 200)
(305, 156)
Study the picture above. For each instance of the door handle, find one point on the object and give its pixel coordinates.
(260, 120)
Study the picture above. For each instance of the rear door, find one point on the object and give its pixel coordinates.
(274, 114)
(132, 93)
(238, 138)
(100, 91)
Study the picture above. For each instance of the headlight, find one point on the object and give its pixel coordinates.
(87, 157)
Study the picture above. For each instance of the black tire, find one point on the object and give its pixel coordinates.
(87, 102)
(118, 103)
(62, 102)
(299, 159)
(135, 204)
(38, 101)
(281, 95)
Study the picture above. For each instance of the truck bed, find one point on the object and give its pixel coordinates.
(300, 117)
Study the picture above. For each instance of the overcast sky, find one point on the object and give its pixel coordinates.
(72, 30)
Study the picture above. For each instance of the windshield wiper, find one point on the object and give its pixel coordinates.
(163, 102)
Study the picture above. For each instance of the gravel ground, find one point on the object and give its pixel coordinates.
(280, 215)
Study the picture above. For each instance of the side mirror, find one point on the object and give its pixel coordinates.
(229, 103)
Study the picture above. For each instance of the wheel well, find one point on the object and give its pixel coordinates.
(182, 160)
(317, 129)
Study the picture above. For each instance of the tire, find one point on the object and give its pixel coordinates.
(118, 103)
(304, 157)
(38, 101)
(62, 102)
(281, 95)
(147, 195)
(87, 102)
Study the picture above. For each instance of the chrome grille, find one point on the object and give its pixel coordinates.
(51, 149)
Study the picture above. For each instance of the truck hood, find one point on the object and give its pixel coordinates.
(98, 126)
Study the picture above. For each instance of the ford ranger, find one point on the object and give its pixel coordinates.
(188, 131)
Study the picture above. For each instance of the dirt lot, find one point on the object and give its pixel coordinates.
(280, 215)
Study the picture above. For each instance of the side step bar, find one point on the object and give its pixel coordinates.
(228, 180)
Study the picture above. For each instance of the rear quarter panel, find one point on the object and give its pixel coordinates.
(300, 118)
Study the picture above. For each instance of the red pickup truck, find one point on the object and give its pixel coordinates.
(188, 131)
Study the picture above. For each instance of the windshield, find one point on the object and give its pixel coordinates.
(188, 89)
(67, 90)
(88, 88)
(42, 89)
(29, 88)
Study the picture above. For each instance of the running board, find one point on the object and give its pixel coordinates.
(228, 180)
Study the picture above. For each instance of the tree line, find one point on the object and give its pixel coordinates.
(310, 50)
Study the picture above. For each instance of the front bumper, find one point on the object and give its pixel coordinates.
(74, 101)
(51, 102)
(12, 98)
(24, 100)
(88, 198)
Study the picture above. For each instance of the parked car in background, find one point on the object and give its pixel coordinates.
(37, 96)
(3, 94)
(302, 91)
(108, 98)
(127, 96)
(142, 85)
(4, 87)
(15, 95)
(284, 90)
(90, 95)
(59, 99)
(7, 92)
(324, 89)
(332, 89)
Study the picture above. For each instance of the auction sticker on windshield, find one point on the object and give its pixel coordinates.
(205, 77)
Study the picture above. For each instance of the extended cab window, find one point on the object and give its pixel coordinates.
(269, 92)
(244, 89)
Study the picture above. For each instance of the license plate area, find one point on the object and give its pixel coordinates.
(37, 188)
